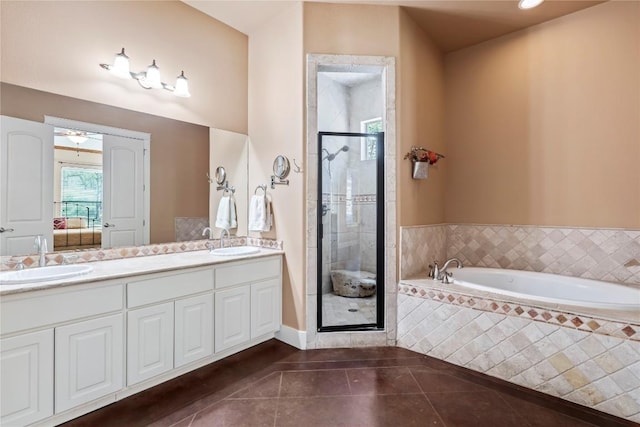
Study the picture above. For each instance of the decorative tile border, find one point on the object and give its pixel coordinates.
(342, 198)
(57, 258)
(583, 322)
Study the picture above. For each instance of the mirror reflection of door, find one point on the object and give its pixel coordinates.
(26, 167)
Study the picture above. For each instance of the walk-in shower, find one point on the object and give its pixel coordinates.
(351, 200)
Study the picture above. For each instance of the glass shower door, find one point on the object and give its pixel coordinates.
(350, 231)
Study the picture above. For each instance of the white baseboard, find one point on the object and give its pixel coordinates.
(293, 337)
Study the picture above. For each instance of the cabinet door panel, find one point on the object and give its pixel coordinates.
(193, 329)
(265, 307)
(150, 342)
(232, 314)
(26, 377)
(89, 361)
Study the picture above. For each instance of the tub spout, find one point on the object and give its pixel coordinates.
(444, 275)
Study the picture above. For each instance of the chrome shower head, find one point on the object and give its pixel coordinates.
(332, 156)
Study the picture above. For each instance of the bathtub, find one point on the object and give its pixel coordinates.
(550, 289)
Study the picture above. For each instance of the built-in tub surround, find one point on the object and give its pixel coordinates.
(587, 356)
(579, 357)
(58, 258)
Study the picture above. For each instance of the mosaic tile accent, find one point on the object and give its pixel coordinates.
(611, 255)
(583, 322)
(190, 228)
(57, 258)
(341, 198)
(596, 370)
(419, 247)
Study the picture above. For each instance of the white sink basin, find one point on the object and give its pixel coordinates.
(55, 272)
(236, 250)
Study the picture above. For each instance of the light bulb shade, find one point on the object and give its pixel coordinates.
(182, 86)
(120, 66)
(529, 4)
(152, 76)
(77, 139)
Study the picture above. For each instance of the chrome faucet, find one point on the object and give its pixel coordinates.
(222, 233)
(209, 244)
(40, 245)
(444, 275)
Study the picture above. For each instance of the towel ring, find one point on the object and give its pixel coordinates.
(260, 187)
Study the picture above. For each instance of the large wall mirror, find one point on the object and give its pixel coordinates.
(180, 155)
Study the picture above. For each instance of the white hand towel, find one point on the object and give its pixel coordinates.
(223, 217)
(233, 214)
(268, 216)
(257, 213)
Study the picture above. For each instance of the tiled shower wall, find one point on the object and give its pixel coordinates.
(595, 253)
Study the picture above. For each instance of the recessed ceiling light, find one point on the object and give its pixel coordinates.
(529, 4)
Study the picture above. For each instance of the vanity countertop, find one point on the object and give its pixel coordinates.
(127, 267)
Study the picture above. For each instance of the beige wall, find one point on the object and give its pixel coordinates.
(420, 123)
(542, 125)
(349, 29)
(179, 150)
(56, 46)
(276, 127)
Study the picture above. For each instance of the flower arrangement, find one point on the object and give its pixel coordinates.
(419, 154)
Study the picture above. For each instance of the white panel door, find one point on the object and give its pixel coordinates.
(232, 317)
(123, 192)
(193, 329)
(89, 361)
(265, 307)
(26, 184)
(149, 342)
(26, 377)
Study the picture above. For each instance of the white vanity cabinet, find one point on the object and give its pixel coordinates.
(70, 349)
(60, 348)
(26, 374)
(167, 325)
(88, 360)
(247, 301)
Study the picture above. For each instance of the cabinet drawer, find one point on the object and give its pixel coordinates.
(167, 287)
(36, 311)
(246, 272)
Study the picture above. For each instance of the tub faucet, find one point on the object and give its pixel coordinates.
(222, 233)
(40, 245)
(444, 275)
(209, 244)
(434, 270)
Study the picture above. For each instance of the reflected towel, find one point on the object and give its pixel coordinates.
(259, 213)
(226, 216)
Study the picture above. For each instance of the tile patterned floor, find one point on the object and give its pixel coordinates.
(274, 384)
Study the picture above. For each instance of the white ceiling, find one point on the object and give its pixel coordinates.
(452, 24)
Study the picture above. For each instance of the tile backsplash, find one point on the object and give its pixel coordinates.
(595, 253)
(90, 255)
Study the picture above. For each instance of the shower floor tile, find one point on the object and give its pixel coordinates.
(339, 311)
(275, 385)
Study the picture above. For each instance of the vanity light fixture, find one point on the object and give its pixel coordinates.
(529, 4)
(149, 79)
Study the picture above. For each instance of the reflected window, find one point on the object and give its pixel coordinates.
(81, 193)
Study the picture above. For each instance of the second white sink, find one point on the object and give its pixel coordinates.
(43, 274)
(236, 250)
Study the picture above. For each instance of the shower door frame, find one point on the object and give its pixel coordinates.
(380, 234)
